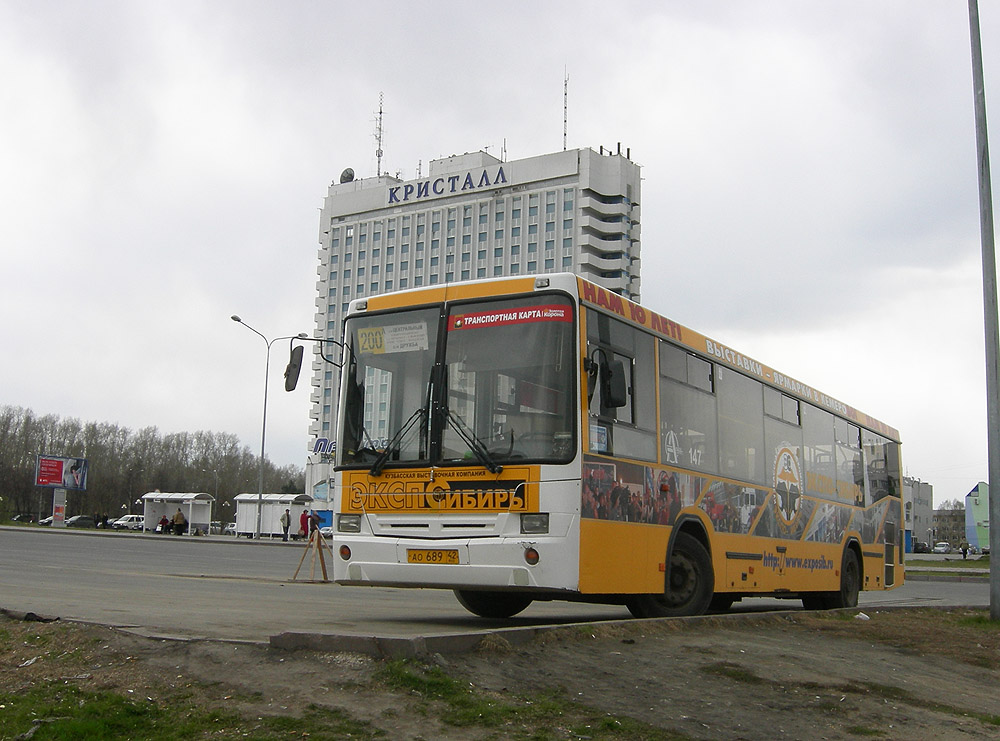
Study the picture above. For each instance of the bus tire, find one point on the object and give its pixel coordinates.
(850, 583)
(690, 585)
(492, 604)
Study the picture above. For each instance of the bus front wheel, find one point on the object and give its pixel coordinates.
(492, 604)
(689, 586)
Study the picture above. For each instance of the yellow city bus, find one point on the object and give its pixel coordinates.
(540, 438)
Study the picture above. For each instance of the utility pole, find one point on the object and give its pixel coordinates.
(989, 299)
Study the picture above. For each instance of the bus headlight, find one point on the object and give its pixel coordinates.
(535, 523)
(348, 523)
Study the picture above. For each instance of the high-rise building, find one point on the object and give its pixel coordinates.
(472, 216)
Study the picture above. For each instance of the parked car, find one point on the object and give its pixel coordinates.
(230, 529)
(326, 531)
(921, 547)
(81, 521)
(215, 527)
(46, 521)
(942, 547)
(129, 522)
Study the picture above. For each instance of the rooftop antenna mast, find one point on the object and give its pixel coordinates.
(565, 104)
(378, 134)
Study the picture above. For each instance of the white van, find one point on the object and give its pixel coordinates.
(129, 522)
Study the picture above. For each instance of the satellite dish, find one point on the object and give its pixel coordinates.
(347, 175)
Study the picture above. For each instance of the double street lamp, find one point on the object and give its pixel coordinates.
(263, 424)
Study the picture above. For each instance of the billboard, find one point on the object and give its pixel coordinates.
(61, 473)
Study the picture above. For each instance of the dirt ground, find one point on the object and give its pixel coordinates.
(913, 674)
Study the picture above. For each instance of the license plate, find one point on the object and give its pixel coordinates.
(449, 556)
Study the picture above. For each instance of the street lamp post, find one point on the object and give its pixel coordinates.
(263, 423)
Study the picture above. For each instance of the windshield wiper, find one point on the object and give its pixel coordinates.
(475, 444)
(379, 464)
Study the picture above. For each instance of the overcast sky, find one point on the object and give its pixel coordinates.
(809, 189)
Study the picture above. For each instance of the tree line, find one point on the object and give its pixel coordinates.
(124, 464)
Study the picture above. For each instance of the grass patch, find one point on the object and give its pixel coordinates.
(57, 712)
(962, 634)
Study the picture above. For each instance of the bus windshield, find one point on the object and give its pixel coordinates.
(499, 388)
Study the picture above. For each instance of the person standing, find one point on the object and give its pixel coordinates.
(179, 522)
(304, 524)
(286, 521)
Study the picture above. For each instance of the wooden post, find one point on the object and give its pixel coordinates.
(316, 545)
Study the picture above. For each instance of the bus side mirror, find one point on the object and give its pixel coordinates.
(614, 393)
(293, 368)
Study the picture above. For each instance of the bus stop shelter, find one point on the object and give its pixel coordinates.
(272, 507)
(196, 507)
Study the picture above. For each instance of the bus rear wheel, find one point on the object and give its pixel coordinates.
(850, 583)
(492, 604)
(689, 587)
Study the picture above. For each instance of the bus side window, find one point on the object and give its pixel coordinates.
(613, 385)
(621, 388)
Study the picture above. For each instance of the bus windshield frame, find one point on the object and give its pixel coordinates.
(482, 383)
